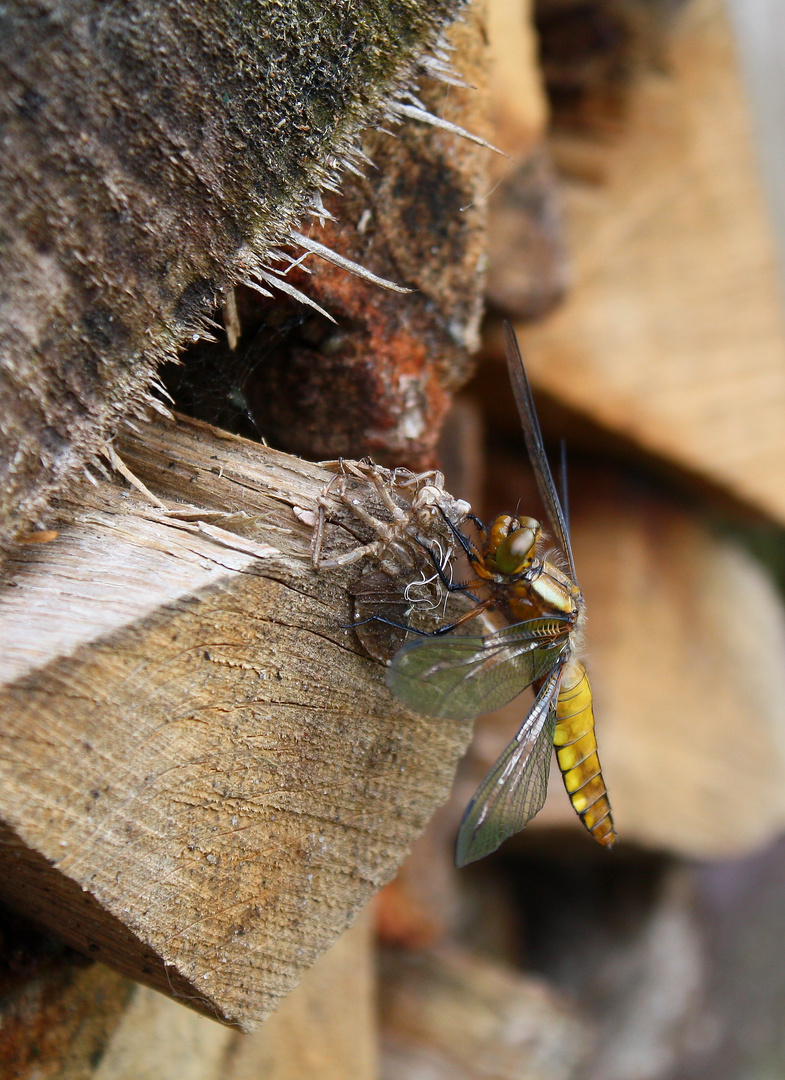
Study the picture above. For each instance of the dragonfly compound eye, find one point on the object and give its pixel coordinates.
(515, 554)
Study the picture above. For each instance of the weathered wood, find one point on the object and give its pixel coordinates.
(449, 1013)
(673, 336)
(202, 780)
(325, 1028)
(65, 1018)
(380, 382)
(155, 155)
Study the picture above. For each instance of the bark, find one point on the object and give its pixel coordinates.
(153, 156)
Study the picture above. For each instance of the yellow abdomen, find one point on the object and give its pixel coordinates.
(576, 752)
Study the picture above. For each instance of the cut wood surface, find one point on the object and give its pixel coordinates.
(673, 336)
(82, 1021)
(326, 1028)
(202, 780)
(453, 1014)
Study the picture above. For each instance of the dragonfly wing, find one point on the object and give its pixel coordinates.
(460, 676)
(514, 789)
(379, 604)
(533, 437)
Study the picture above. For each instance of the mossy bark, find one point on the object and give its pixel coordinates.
(154, 155)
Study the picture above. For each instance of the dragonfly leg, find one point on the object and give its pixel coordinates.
(447, 582)
(471, 552)
(478, 523)
(470, 549)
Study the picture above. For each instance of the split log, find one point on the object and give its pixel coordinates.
(202, 779)
(673, 337)
(82, 1021)
(377, 384)
(449, 1013)
(146, 170)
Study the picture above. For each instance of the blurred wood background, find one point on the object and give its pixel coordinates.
(627, 237)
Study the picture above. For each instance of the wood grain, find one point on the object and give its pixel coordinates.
(202, 780)
(146, 171)
(673, 336)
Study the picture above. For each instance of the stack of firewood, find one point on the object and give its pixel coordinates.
(205, 779)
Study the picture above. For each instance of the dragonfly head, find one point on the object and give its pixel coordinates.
(513, 542)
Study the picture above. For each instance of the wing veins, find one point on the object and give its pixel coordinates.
(533, 436)
(514, 789)
(462, 677)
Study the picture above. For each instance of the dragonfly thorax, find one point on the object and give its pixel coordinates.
(544, 590)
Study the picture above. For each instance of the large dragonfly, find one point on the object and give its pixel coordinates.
(459, 675)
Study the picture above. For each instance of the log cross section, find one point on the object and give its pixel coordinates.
(203, 779)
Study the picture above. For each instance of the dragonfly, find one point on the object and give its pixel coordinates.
(457, 674)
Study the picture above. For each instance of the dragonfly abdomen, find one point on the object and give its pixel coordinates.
(576, 752)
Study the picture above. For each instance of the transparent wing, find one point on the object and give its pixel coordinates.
(459, 677)
(533, 437)
(379, 603)
(386, 609)
(514, 790)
